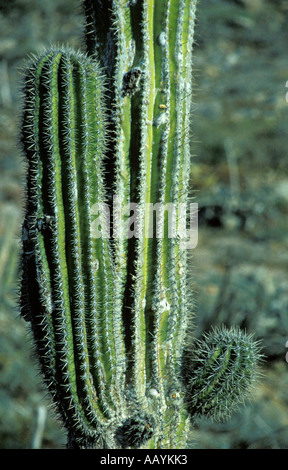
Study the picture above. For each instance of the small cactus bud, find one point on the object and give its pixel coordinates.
(219, 371)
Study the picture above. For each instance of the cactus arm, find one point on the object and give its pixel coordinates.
(37, 275)
(74, 326)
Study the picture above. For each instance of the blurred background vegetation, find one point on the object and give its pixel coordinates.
(239, 178)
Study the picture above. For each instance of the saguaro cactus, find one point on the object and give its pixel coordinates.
(110, 307)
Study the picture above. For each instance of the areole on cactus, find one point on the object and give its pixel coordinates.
(111, 313)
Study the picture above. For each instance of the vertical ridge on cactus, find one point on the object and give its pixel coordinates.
(106, 133)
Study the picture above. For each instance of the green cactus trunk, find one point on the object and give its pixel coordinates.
(109, 305)
(148, 54)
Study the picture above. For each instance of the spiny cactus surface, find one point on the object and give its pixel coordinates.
(106, 133)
